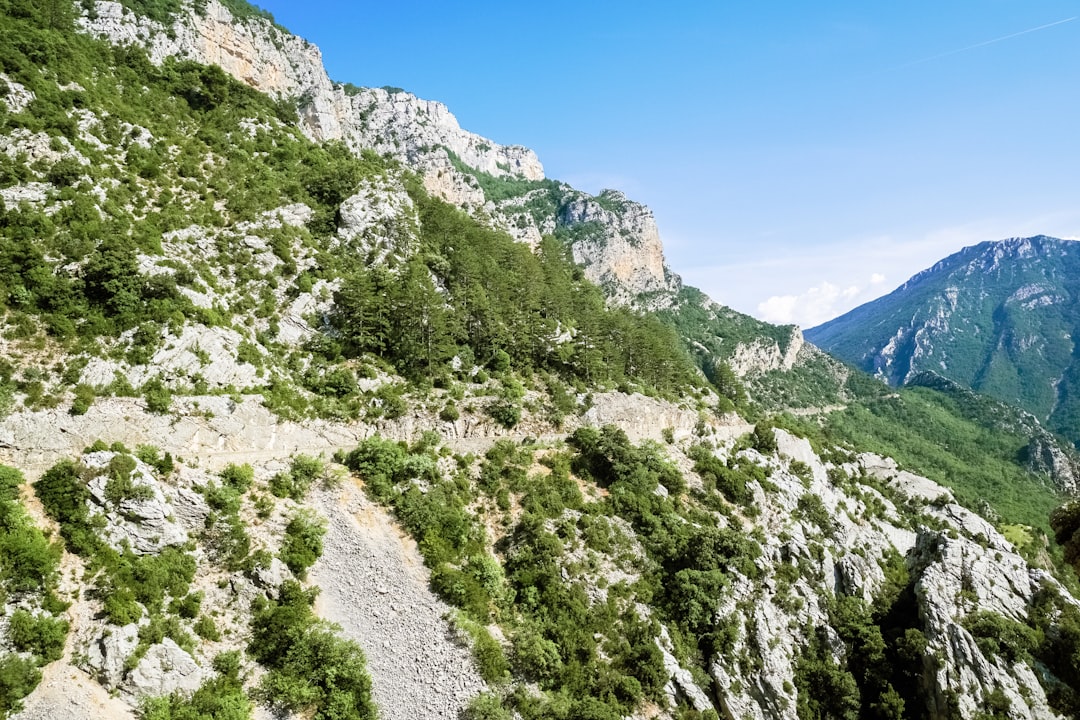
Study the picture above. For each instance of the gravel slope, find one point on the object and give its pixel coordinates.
(374, 584)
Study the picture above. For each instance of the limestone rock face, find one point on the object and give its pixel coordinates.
(143, 521)
(379, 221)
(164, 669)
(619, 246)
(966, 568)
(255, 52)
(1044, 455)
(407, 127)
(960, 576)
(615, 239)
(764, 354)
(267, 58)
(107, 654)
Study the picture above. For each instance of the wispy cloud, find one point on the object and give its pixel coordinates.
(984, 43)
(819, 303)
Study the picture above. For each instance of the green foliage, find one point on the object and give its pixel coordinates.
(486, 707)
(980, 461)
(505, 305)
(205, 628)
(18, 678)
(219, 698)
(729, 479)
(126, 582)
(311, 670)
(157, 395)
(826, 691)
(84, 398)
(298, 480)
(1056, 622)
(997, 635)
(1065, 523)
(302, 545)
(238, 477)
(28, 561)
(42, 636)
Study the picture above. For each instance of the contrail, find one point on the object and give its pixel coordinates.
(986, 42)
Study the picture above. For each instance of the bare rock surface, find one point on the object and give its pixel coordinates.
(145, 523)
(68, 693)
(164, 669)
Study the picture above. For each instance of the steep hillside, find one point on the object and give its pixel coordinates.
(998, 317)
(613, 239)
(313, 404)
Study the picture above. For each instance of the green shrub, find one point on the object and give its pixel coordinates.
(296, 482)
(238, 477)
(219, 698)
(486, 707)
(505, 412)
(18, 678)
(205, 628)
(311, 670)
(449, 412)
(303, 542)
(84, 398)
(157, 395)
(188, 606)
(42, 636)
(153, 457)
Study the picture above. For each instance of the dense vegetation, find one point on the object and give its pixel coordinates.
(953, 437)
(595, 656)
(28, 576)
(474, 292)
(998, 317)
(312, 671)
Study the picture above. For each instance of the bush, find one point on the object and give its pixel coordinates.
(220, 698)
(303, 542)
(311, 670)
(238, 477)
(84, 398)
(486, 707)
(157, 395)
(18, 678)
(449, 413)
(298, 480)
(40, 635)
(205, 628)
(506, 412)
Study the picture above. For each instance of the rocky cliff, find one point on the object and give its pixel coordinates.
(619, 244)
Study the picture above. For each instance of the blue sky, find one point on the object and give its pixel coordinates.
(801, 158)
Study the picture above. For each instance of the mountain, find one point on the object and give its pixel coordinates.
(998, 317)
(313, 404)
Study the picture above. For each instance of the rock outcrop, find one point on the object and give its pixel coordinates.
(142, 519)
(615, 239)
(955, 573)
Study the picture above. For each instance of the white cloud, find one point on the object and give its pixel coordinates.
(812, 307)
(877, 279)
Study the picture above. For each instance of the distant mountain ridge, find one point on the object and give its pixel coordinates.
(998, 317)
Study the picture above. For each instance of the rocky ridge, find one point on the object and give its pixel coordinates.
(622, 248)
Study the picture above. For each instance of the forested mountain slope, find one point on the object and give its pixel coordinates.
(264, 335)
(998, 317)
